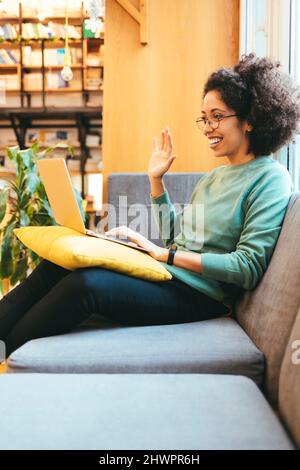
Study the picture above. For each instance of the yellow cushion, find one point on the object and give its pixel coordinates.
(71, 250)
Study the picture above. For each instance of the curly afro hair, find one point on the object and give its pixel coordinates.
(264, 96)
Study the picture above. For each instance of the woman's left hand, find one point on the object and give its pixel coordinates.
(157, 252)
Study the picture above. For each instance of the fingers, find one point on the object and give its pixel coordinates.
(170, 145)
(171, 160)
(118, 231)
(166, 140)
(123, 232)
(163, 140)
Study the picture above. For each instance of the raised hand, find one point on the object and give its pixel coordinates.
(161, 158)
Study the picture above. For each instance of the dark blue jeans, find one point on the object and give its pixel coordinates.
(53, 300)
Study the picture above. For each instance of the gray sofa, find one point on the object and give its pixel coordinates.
(196, 385)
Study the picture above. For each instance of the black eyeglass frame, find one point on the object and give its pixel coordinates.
(201, 121)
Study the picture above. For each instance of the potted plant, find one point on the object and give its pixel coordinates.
(26, 202)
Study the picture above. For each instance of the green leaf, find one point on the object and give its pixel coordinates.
(34, 257)
(32, 182)
(71, 150)
(16, 247)
(29, 205)
(26, 157)
(14, 187)
(41, 191)
(3, 203)
(19, 162)
(19, 271)
(44, 208)
(30, 211)
(24, 201)
(62, 145)
(6, 265)
(24, 219)
(44, 152)
(12, 152)
(35, 148)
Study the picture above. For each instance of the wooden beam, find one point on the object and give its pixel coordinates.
(144, 22)
(140, 16)
(134, 12)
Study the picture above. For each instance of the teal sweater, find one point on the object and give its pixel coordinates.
(244, 207)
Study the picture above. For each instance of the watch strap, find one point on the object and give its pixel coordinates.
(172, 252)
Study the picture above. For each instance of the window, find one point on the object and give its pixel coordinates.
(268, 28)
(253, 32)
(294, 160)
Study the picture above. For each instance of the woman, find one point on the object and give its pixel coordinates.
(248, 112)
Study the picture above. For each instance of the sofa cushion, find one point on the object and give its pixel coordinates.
(213, 346)
(289, 383)
(268, 313)
(126, 412)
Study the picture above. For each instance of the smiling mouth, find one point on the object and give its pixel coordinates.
(215, 141)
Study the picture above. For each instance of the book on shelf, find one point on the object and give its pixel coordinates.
(92, 165)
(11, 82)
(8, 31)
(52, 57)
(93, 59)
(48, 137)
(50, 31)
(32, 57)
(33, 81)
(55, 80)
(9, 57)
(94, 80)
(92, 140)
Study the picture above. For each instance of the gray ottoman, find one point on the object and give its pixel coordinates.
(136, 411)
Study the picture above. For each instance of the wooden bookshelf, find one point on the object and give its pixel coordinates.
(88, 75)
(35, 77)
(9, 66)
(10, 174)
(83, 121)
(55, 90)
(47, 67)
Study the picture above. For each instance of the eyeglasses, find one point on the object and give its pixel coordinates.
(214, 122)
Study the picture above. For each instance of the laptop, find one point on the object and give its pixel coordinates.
(58, 186)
